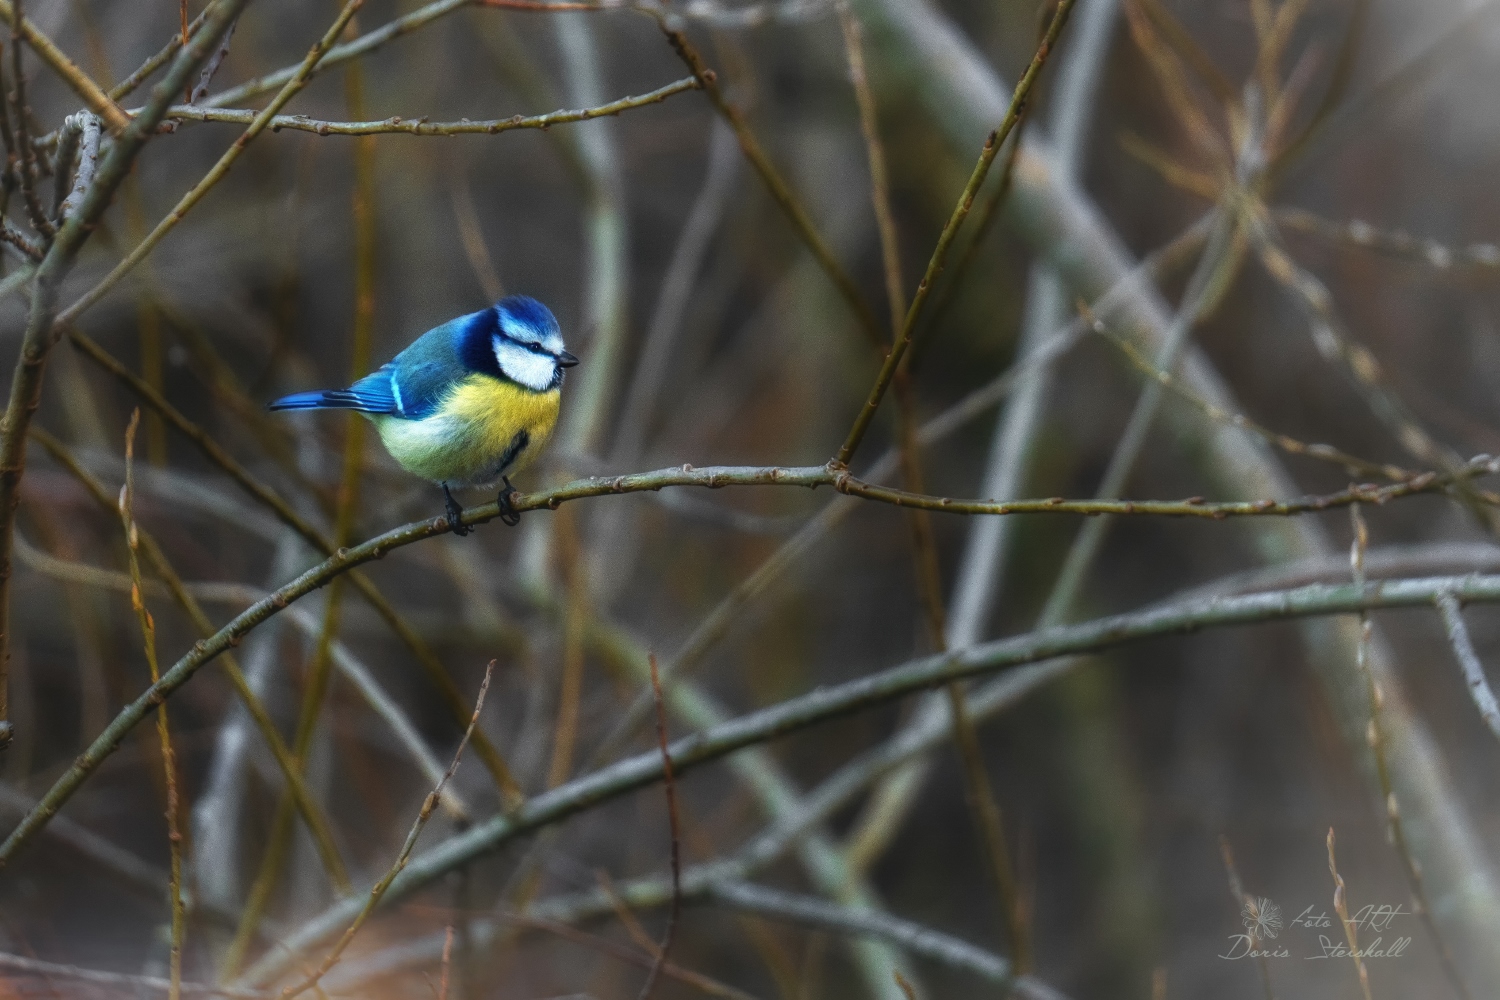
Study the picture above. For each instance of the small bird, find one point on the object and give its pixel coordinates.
(468, 403)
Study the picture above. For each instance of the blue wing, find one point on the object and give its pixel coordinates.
(412, 386)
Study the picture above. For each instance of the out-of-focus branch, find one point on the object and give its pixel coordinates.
(780, 191)
(120, 981)
(711, 883)
(263, 494)
(83, 85)
(307, 805)
(1393, 242)
(42, 330)
(960, 93)
(871, 689)
(378, 891)
(216, 173)
(1288, 444)
(1395, 828)
(350, 666)
(936, 262)
(367, 42)
(376, 548)
(1463, 649)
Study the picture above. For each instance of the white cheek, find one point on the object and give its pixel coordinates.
(535, 371)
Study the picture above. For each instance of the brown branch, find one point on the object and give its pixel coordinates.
(312, 815)
(939, 257)
(780, 191)
(1351, 929)
(216, 173)
(42, 330)
(163, 731)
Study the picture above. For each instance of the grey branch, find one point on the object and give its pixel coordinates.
(866, 691)
(1468, 660)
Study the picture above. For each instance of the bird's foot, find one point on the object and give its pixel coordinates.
(508, 513)
(455, 514)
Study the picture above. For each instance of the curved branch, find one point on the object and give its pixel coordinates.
(345, 560)
(873, 689)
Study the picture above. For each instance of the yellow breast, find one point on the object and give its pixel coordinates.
(465, 441)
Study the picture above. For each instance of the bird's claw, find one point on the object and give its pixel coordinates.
(508, 513)
(455, 514)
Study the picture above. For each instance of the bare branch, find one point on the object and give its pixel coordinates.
(1463, 649)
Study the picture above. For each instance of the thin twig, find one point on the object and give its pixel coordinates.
(869, 126)
(311, 812)
(429, 806)
(1394, 242)
(1251, 907)
(216, 173)
(28, 168)
(1351, 929)
(442, 993)
(42, 330)
(939, 257)
(421, 126)
(367, 42)
(670, 785)
(1394, 825)
(163, 732)
(209, 71)
(570, 683)
(128, 85)
(778, 188)
(1286, 443)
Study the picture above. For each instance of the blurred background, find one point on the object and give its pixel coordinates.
(710, 335)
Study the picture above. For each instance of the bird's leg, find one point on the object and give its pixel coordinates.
(455, 513)
(508, 512)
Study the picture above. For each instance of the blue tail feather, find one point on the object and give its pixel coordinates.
(332, 399)
(300, 401)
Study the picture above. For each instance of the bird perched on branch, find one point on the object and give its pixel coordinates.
(468, 403)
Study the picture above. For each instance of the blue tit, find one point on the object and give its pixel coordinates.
(468, 403)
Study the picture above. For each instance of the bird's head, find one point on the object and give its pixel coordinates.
(528, 343)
